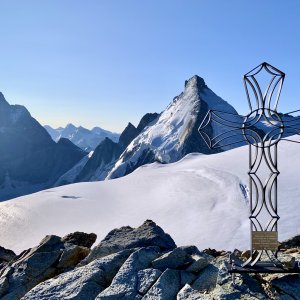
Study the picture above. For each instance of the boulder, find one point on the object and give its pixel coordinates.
(172, 260)
(188, 293)
(166, 287)
(71, 256)
(83, 283)
(148, 234)
(230, 292)
(51, 257)
(199, 264)
(288, 285)
(223, 275)
(191, 250)
(80, 239)
(207, 279)
(146, 278)
(186, 277)
(125, 283)
(194, 253)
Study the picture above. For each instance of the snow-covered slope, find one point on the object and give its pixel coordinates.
(84, 138)
(199, 200)
(175, 133)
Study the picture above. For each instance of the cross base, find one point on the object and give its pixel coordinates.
(260, 268)
(236, 265)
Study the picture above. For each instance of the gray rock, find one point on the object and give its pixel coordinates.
(72, 256)
(228, 292)
(125, 283)
(6, 255)
(194, 253)
(207, 279)
(186, 277)
(188, 293)
(290, 243)
(38, 264)
(81, 239)
(51, 257)
(146, 278)
(172, 260)
(288, 285)
(166, 287)
(191, 250)
(83, 283)
(223, 275)
(199, 264)
(148, 234)
(3, 286)
(246, 287)
(48, 244)
(32, 267)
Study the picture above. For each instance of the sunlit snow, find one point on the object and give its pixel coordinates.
(199, 200)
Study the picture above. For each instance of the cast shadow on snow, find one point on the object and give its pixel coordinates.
(70, 197)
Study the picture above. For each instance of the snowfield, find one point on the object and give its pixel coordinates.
(199, 200)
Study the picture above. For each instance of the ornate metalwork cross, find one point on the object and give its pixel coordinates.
(261, 129)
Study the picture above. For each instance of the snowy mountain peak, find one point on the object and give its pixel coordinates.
(195, 81)
(174, 133)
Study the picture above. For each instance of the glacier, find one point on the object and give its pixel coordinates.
(201, 200)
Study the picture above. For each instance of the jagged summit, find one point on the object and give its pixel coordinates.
(128, 134)
(70, 126)
(146, 120)
(195, 81)
(3, 100)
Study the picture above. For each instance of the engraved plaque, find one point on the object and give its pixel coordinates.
(265, 240)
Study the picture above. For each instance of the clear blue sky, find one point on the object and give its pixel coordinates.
(109, 62)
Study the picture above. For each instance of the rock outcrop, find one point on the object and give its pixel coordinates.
(148, 234)
(134, 263)
(54, 255)
(106, 153)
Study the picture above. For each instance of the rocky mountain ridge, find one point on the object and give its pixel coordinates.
(135, 263)
(29, 159)
(98, 165)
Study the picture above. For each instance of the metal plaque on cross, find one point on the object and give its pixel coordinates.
(262, 128)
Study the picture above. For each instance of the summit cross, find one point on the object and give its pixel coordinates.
(262, 129)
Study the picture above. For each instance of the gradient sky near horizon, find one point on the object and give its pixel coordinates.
(105, 63)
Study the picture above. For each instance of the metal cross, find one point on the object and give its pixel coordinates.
(261, 129)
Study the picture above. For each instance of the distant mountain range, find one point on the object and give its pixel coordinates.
(82, 137)
(32, 157)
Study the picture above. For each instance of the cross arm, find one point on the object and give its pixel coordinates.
(222, 129)
(291, 125)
